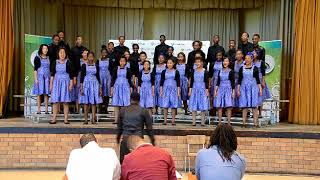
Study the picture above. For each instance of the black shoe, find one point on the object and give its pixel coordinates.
(173, 124)
(93, 122)
(47, 113)
(164, 123)
(114, 123)
(67, 122)
(85, 123)
(38, 112)
(52, 122)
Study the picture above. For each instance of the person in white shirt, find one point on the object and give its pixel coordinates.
(93, 162)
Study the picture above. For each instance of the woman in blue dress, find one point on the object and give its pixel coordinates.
(261, 65)
(130, 65)
(199, 91)
(146, 87)
(170, 91)
(237, 65)
(61, 84)
(90, 88)
(224, 90)
(214, 69)
(184, 72)
(105, 77)
(41, 84)
(121, 87)
(249, 89)
(76, 89)
(157, 70)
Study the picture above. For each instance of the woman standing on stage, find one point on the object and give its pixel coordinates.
(224, 90)
(170, 90)
(249, 89)
(214, 69)
(121, 87)
(61, 85)
(184, 72)
(41, 84)
(237, 65)
(157, 70)
(105, 77)
(199, 91)
(90, 88)
(146, 87)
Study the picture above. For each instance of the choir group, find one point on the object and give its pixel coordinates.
(223, 81)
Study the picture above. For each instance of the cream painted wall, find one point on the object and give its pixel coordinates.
(155, 23)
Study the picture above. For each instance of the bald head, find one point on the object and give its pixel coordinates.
(86, 138)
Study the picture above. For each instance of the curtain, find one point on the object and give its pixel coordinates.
(270, 20)
(203, 24)
(6, 50)
(30, 17)
(97, 25)
(305, 91)
(169, 4)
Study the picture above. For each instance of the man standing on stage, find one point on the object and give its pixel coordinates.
(261, 51)
(212, 51)
(162, 48)
(132, 120)
(245, 45)
(121, 48)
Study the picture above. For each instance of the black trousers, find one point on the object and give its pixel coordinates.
(124, 150)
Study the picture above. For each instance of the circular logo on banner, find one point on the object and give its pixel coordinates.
(269, 63)
(33, 55)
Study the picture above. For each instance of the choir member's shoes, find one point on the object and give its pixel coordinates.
(46, 113)
(164, 123)
(115, 123)
(85, 123)
(66, 122)
(94, 122)
(173, 124)
(52, 122)
(194, 124)
(38, 112)
(243, 126)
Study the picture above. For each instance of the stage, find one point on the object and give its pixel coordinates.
(282, 148)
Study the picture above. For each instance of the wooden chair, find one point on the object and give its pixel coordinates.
(193, 140)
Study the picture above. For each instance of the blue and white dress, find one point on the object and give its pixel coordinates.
(121, 83)
(62, 75)
(91, 85)
(262, 72)
(170, 81)
(157, 71)
(105, 76)
(184, 73)
(75, 94)
(145, 82)
(42, 66)
(225, 85)
(214, 73)
(249, 89)
(199, 101)
(237, 66)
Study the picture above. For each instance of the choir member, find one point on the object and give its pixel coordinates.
(146, 80)
(61, 85)
(105, 76)
(224, 90)
(62, 42)
(249, 89)
(134, 59)
(112, 56)
(231, 53)
(121, 87)
(53, 48)
(142, 59)
(237, 65)
(130, 65)
(261, 51)
(212, 50)
(184, 72)
(162, 48)
(197, 45)
(157, 70)
(41, 84)
(214, 69)
(121, 48)
(245, 45)
(91, 89)
(171, 56)
(199, 91)
(170, 91)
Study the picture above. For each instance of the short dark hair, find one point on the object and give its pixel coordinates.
(78, 36)
(142, 52)
(198, 58)
(40, 49)
(162, 36)
(232, 40)
(55, 35)
(86, 138)
(225, 138)
(216, 35)
(91, 52)
(60, 31)
(246, 33)
(135, 44)
(122, 36)
(135, 97)
(197, 41)
(257, 35)
(110, 43)
(171, 47)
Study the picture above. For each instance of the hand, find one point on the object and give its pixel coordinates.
(216, 93)
(263, 84)
(70, 87)
(36, 81)
(190, 92)
(74, 81)
(238, 93)
(100, 91)
(81, 91)
(260, 91)
(161, 93)
(152, 92)
(207, 93)
(178, 93)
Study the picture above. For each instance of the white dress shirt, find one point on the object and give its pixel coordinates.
(93, 162)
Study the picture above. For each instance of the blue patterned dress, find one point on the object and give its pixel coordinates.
(43, 72)
(170, 98)
(199, 101)
(265, 91)
(146, 81)
(75, 94)
(225, 85)
(91, 86)
(216, 68)
(105, 77)
(249, 90)
(121, 89)
(60, 91)
(237, 67)
(183, 81)
(158, 70)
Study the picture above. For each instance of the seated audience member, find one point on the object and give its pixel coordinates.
(147, 162)
(220, 160)
(93, 162)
